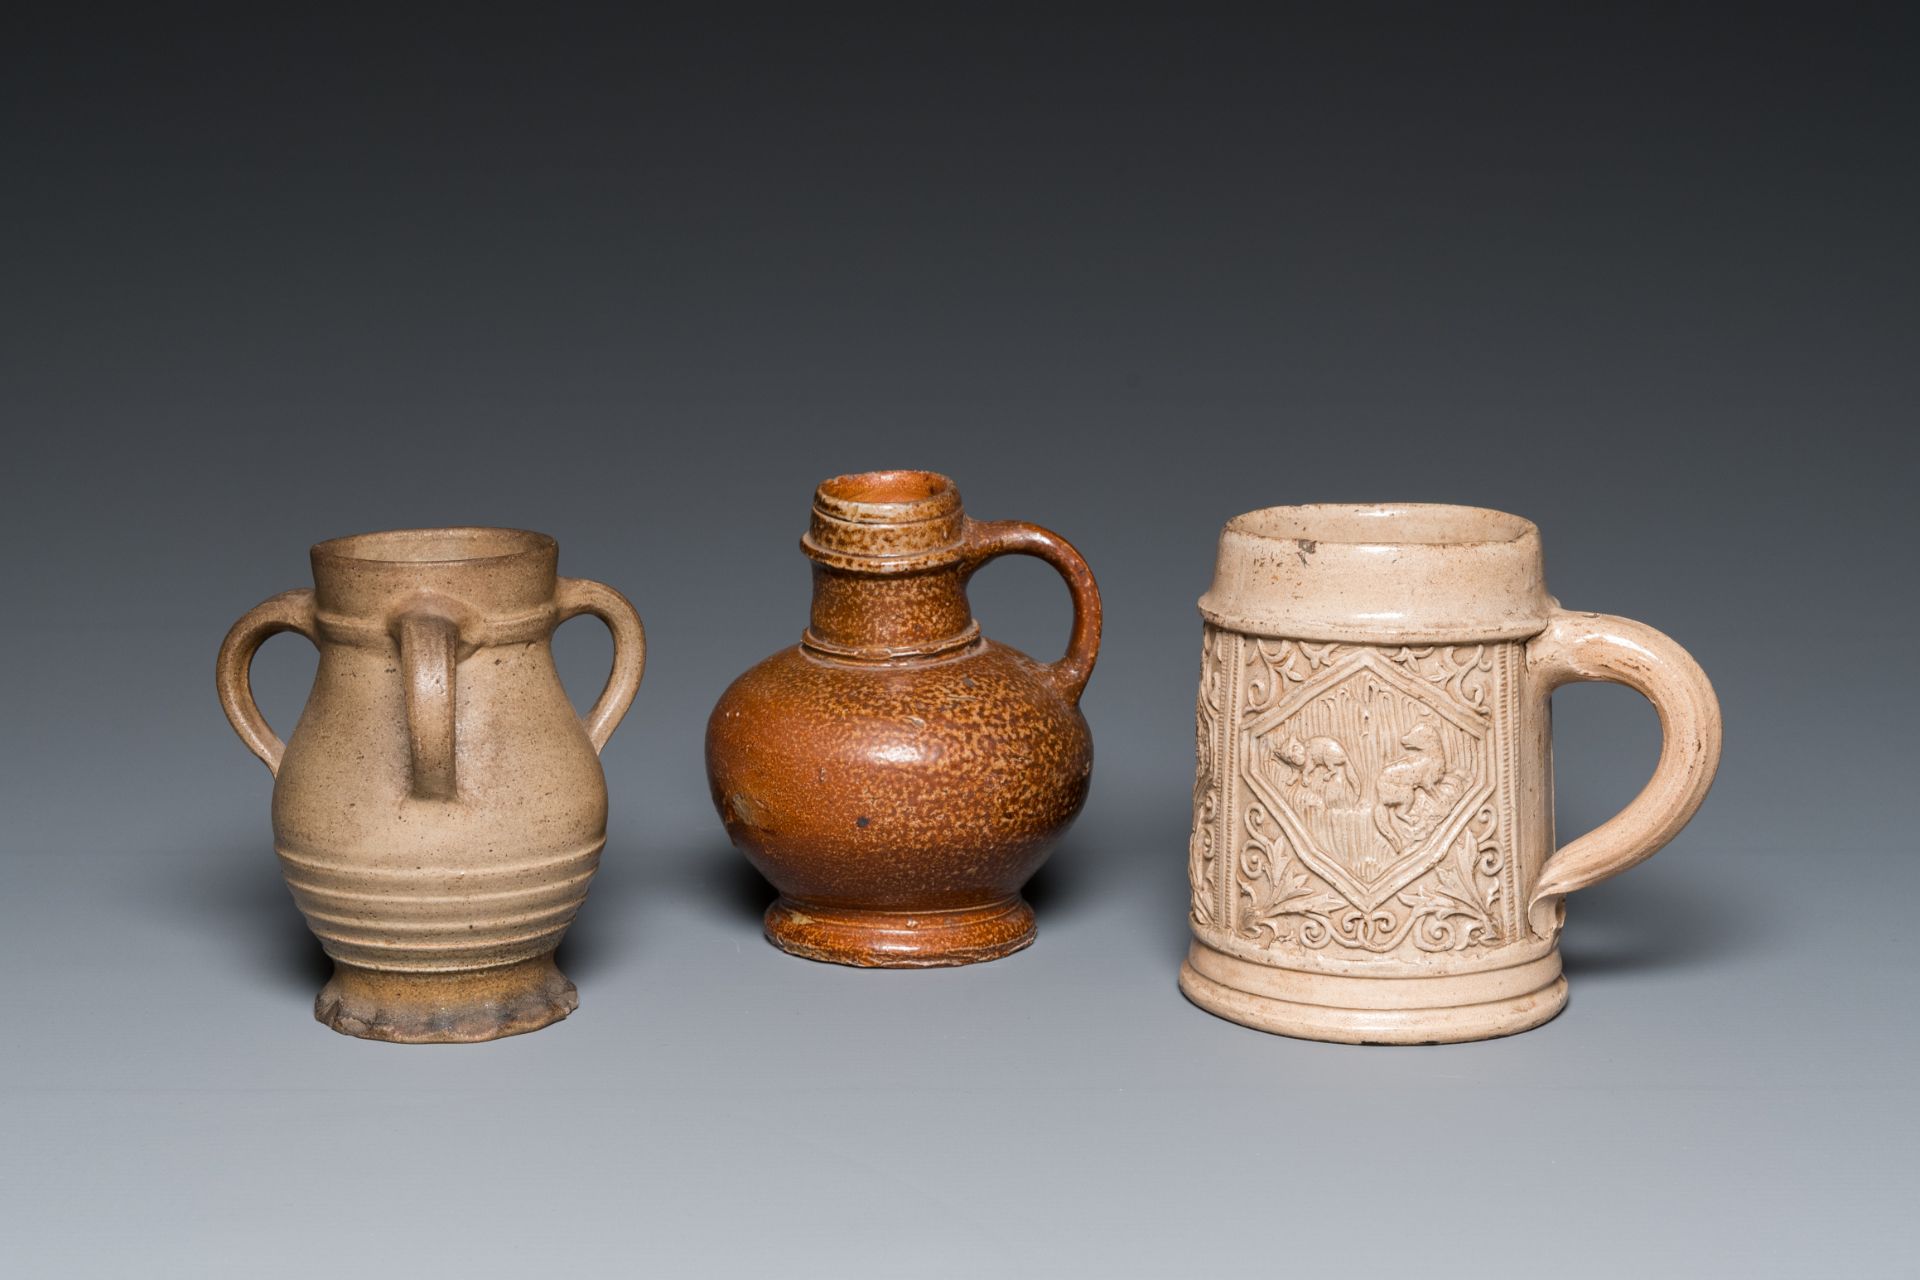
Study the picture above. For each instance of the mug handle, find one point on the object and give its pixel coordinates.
(576, 596)
(986, 539)
(288, 611)
(1598, 646)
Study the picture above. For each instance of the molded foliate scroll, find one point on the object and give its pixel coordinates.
(1205, 843)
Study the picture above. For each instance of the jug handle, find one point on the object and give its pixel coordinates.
(1597, 646)
(576, 596)
(986, 539)
(288, 611)
(429, 639)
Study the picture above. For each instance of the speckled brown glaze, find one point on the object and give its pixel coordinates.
(440, 808)
(895, 775)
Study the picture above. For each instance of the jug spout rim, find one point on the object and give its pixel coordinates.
(885, 521)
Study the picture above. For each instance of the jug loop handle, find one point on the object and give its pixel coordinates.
(232, 673)
(985, 540)
(576, 596)
(428, 632)
(1598, 646)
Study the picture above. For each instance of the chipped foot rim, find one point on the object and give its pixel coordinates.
(457, 1007)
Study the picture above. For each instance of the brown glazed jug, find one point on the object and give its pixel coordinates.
(896, 775)
(440, 807)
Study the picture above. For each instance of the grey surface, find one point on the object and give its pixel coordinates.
(1649, 281)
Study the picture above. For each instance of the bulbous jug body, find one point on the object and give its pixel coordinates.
(897, 776)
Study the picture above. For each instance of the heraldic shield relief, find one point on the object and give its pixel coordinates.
(1367, 812)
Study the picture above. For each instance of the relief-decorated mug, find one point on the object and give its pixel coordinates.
(440, 808)
(1372, 853)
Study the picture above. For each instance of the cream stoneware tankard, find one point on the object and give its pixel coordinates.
(1372, 856)
(440, 808)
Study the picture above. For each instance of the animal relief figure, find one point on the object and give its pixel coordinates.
(1317, 773)
(1321, 784)
(1416, 792)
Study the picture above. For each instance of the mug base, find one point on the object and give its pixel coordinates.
(1348, 1010)
(901, 939)
(458, 1007)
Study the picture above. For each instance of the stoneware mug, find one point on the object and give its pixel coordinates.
(440, 808)
(1372, 851)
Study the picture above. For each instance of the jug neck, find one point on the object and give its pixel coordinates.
(890, 568)
(879, 618)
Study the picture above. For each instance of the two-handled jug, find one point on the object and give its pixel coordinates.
(439, 809)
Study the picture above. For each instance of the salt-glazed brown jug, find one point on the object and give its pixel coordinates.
(896, 775)
(440, 807)
(1372, 857)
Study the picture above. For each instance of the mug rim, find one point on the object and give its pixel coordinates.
(1399, 521)
(1380, 573)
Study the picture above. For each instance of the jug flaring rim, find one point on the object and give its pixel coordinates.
(490, 542)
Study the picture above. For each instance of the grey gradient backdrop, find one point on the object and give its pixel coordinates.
(1648, 278)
